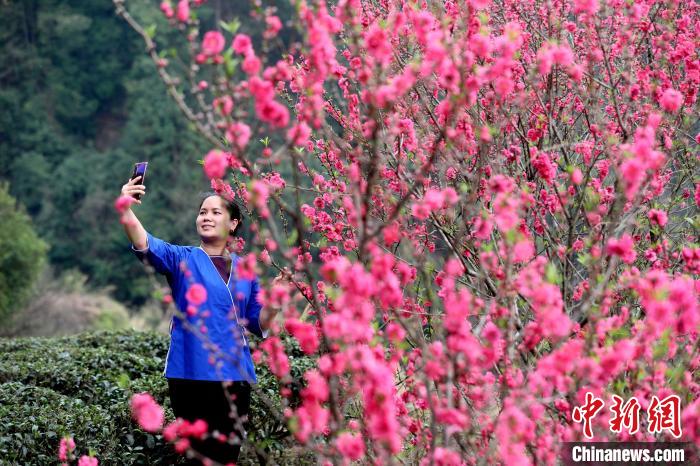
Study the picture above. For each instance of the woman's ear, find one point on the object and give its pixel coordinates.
(233, 225)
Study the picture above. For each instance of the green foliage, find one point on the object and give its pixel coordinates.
(70, 386)
(78, 111)
(81, 386)
(22, 255)
(81, 103)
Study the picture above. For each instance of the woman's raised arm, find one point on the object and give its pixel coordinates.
(132, 226)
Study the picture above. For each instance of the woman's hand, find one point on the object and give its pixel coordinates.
(132, 226)
(132, 189)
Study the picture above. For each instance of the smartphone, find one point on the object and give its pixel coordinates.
(140, 170)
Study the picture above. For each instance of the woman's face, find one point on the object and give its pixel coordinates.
(213, 220)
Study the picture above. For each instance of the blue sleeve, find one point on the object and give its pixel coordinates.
(252, 311)
(163, 256)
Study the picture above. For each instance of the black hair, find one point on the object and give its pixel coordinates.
(233, 210)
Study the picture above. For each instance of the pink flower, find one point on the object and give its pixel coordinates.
(224, 104)
(633, 173)
(170, 431)
(545, 166)
(395, 333)
(505, 211)
(690, 420)
(480, 4)
(586, 6)
(668, 304)
(66, 446)
(261, 90)
(316, 387)
(147, 412)
(482, 228)
(513, 430)
(575, 71)
(238, 133)
(642, 157)
(196, 294)
(304, 333)
(183, 11)
(658, 216)
(545, 299)
(434, 200)
(167, 9)
(273, 112)
(563, 56)
(671, 100)
(275, 182)
(242, 44)
(276, 357)
(260, 193)
(350, 446)
(182, 445)
(299, 134)
(87, 461)
(215, 164)
(379, 396)
(213, 43)
(273, 27)
(251, 64)
(622, 247)
(443, 456)
(576, 176)
(246, 267)
(377, 44)
(452, 417)
(196, 429)
(392, 234)
(545, 60)
(122, 203)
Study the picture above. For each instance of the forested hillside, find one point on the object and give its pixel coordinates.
(81, 102)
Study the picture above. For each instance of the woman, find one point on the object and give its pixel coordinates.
(208, 367)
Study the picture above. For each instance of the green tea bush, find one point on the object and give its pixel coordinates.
(22, 255)
(81, 386)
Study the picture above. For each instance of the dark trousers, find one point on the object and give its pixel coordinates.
(200, 399)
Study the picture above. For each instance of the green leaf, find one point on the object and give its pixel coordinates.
(292, 239)
(584, 259)
(620, 386)
(150, 30)
(230, 65)
(552, 274)
(661, 348)
(232, 26)
(293, 424)
(123, 380)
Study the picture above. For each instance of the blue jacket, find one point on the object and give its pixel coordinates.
(224, 355)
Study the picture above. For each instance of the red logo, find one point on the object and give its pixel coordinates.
(625, 415)
(665, 415)
(661, 415)
(587, 412)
